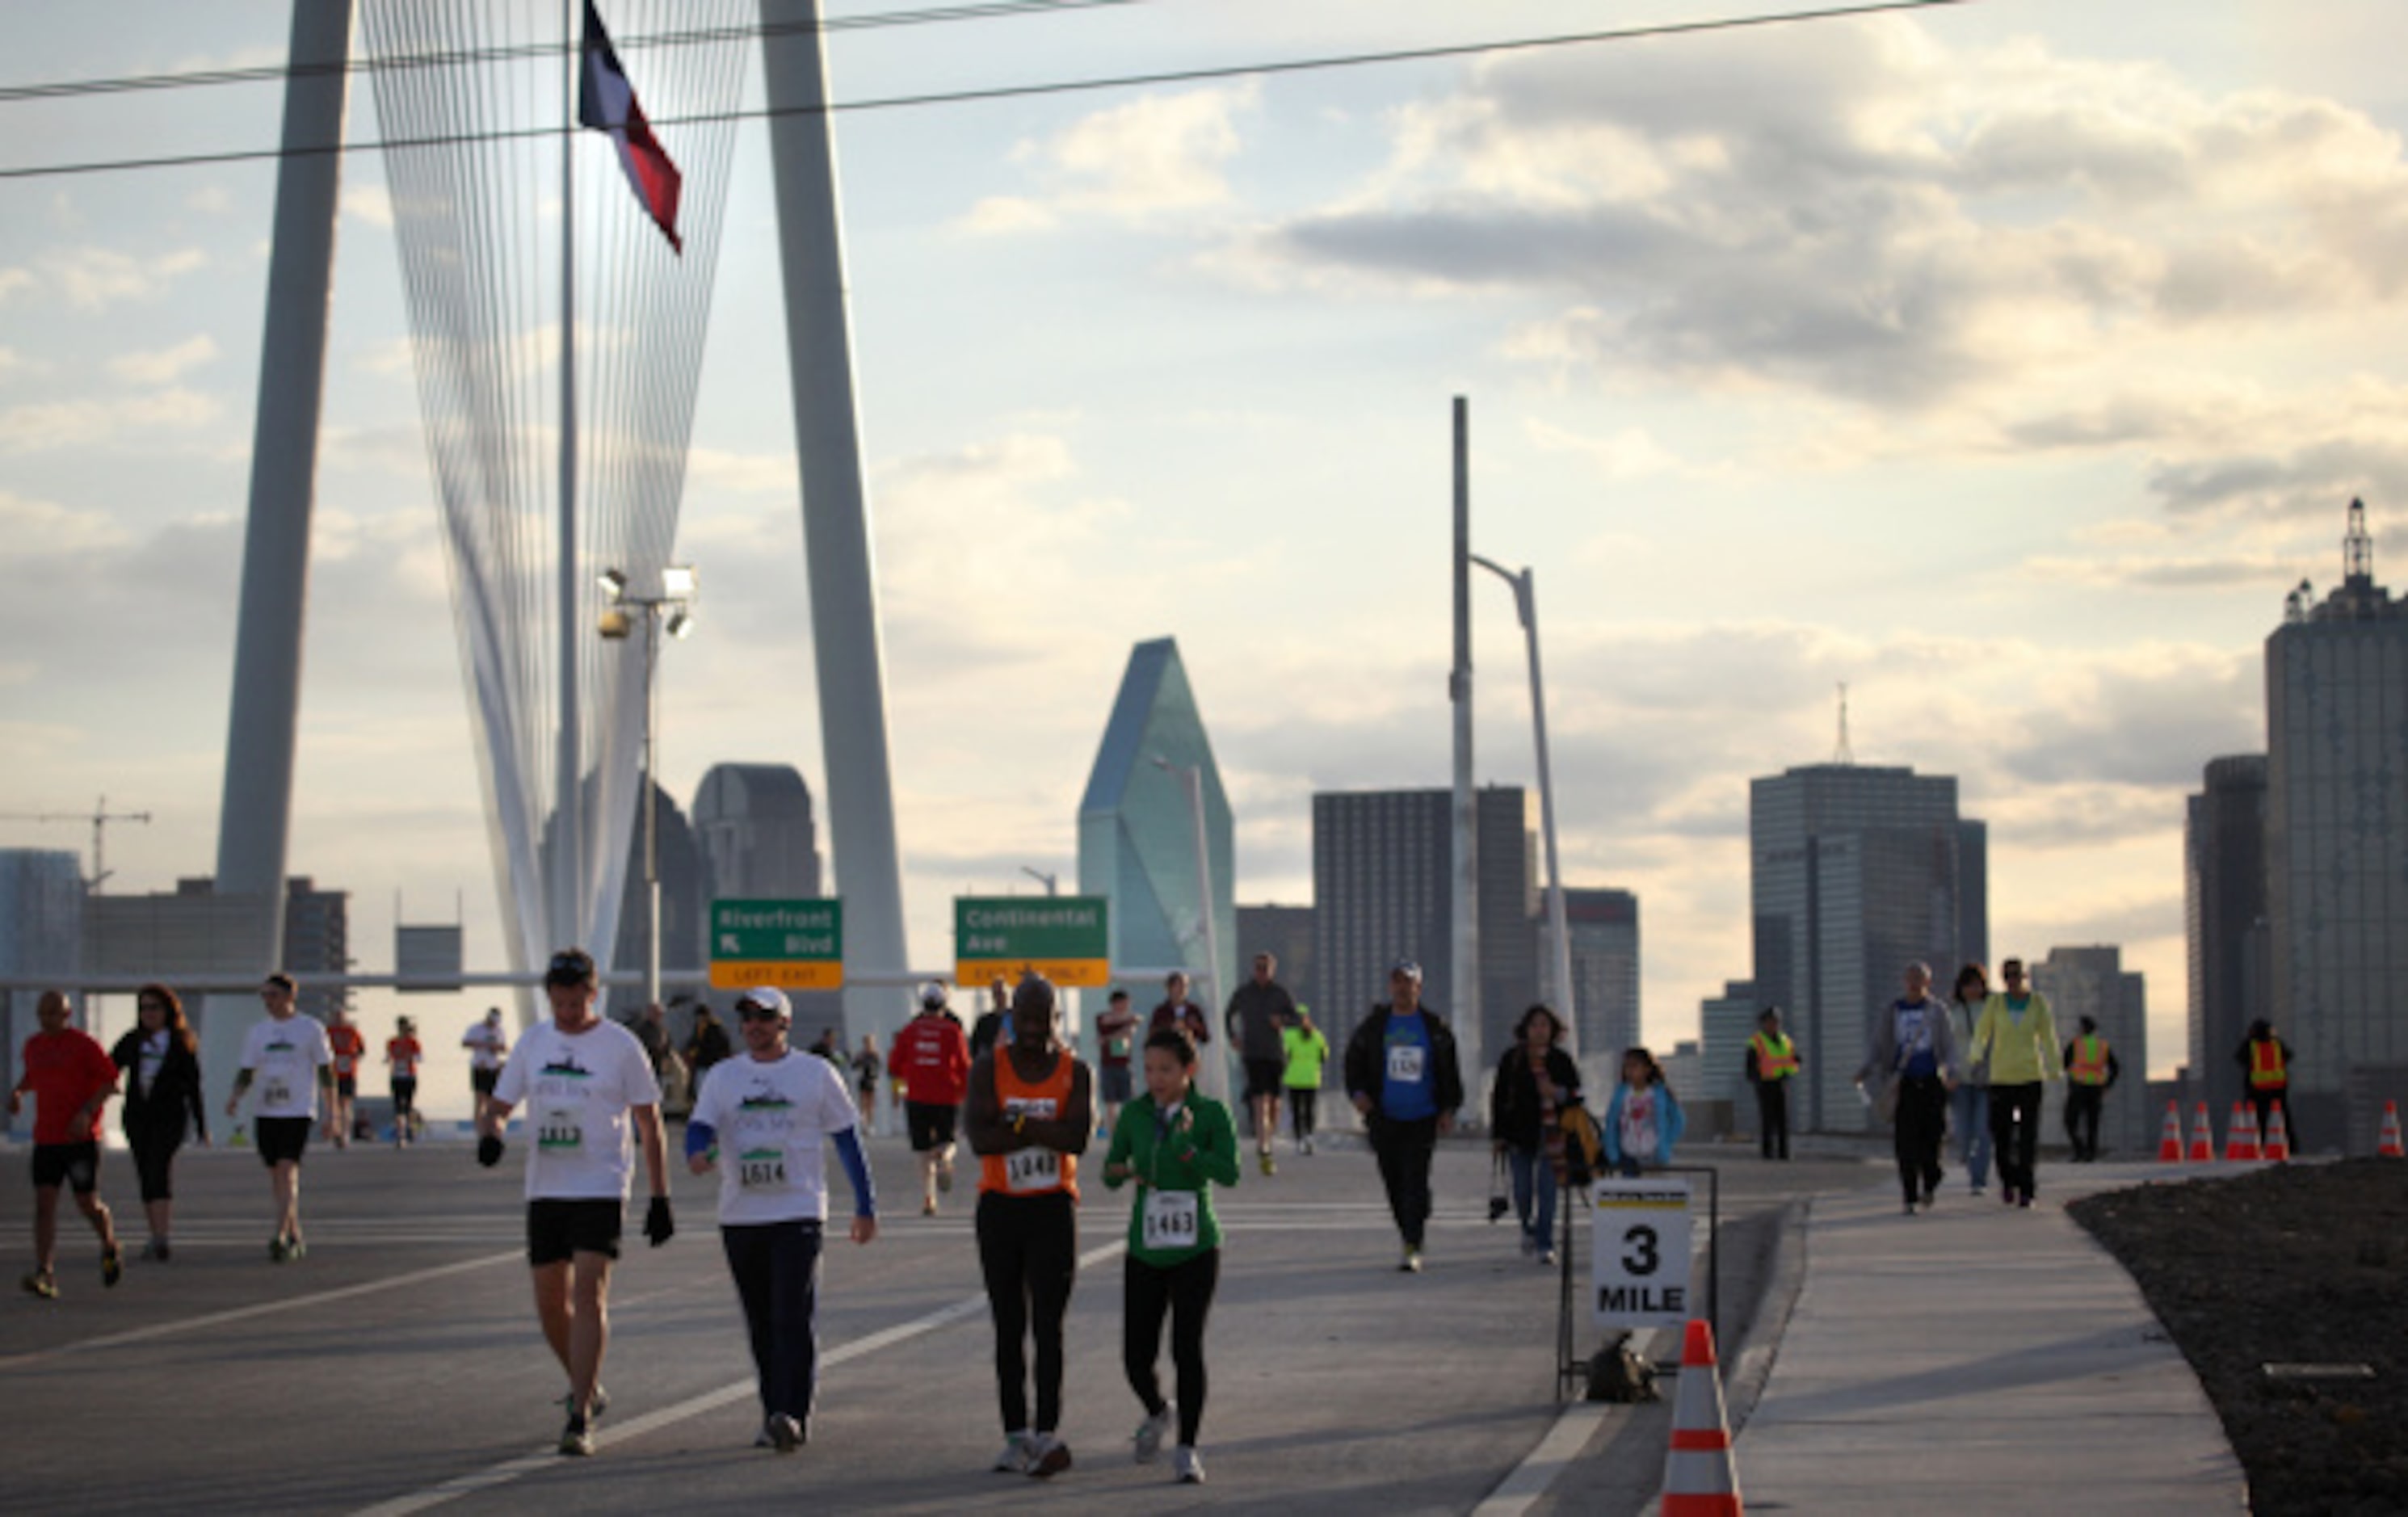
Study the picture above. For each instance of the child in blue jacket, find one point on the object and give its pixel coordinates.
(1643, 1120)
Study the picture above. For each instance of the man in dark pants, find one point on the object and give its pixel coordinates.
(1772, 1064)
(2266, 1063)
(1402, 1077)
(1913, 1048)
(2091, 1071)
(1030, 1112)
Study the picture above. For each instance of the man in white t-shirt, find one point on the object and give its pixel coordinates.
(486, 1044)
(287, 1056)
(767, 1121)
(589, 1090)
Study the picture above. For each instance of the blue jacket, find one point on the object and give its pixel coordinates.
(1668, 1123)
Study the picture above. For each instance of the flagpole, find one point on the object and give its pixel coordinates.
(569, 839)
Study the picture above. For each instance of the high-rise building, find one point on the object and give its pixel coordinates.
(1286, 933)
(193, 930)
(1137, 826)
(1725, 1024)
(1856, 871)
(1603, 927)
(753, 824)
(686, 904)
(1973, 901)
(41, 928)
(2337, 833)
(1684, 1070)
(2093, 982)
(317, 940)
(1381, 875)
(2225, 929)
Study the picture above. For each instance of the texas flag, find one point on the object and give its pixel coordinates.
(607, 103)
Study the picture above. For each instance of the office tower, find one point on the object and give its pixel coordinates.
(686, 904)
(1725, 1024)
(2225, 929)
(195, 931)
(2337, 832)
(317, 940)
(753, 824)
(2093, 982)
(1381, 870)
(1603, 925)
(1286, 933)
(1684, 1070)
(1137, 829)
(1856, 871)
(1973, 901)
(41, 929)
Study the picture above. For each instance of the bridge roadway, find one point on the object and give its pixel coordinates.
(398, 1366)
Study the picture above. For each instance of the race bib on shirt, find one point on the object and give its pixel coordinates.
(561, 1131)
(761, 1169)
(1406, 1062)
(278, 1092)
(1032, 1169)
(1170, 1219)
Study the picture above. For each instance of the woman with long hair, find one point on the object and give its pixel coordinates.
(1969, 1104)
(162, 1094)
(1535, 1080)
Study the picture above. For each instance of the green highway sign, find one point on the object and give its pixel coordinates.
(793, 945)
(1062, 938)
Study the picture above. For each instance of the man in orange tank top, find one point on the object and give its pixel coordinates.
(1030, 1110)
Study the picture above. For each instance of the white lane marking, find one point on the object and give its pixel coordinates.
(653, 1422)
(1521, 1490)
(218, 1319)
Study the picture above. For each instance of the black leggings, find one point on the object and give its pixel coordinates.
(1028, 1250)
(2015, 1134)
(404, 1097)
(1922, 1118)
(155, 1157)
(1185, 1291)
(1300, 1104)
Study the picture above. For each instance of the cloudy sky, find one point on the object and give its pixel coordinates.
(2006, 361)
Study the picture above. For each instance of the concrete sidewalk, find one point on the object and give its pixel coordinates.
(1979, 1358)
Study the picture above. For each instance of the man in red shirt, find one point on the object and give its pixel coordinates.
(932, 1059)
(71, 1077)
(347, 1046)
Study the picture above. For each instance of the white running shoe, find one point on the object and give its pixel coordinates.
(1187, 1464)
(1017, 1455)
(1151, 1432)
(1048, 1456)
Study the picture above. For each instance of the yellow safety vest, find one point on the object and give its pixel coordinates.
(1776, 1057)
(2089, 1066)
(2266, 1071)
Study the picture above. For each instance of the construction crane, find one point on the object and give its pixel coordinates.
(100, 816)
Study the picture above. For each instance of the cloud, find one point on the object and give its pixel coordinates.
(12, 280)
(38, 529)
(164, 365)
(2136, 572)
(1154, 157)
(371, 203)
(43, 426)
(1858, 212)
(94, 278)
(209, 200)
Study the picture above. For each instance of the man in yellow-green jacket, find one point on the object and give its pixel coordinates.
(2018, 1037)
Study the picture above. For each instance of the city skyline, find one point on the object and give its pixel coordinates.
(2007, 362)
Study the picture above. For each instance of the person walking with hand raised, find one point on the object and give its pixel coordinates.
(1177, 1143)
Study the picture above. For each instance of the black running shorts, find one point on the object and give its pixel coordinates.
(930, 1124)
(76, 1165)
(558, 1229)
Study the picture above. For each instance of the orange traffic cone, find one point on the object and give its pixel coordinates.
(2387, 1146)
(2241, 1138)
(2278, 1137)
(2203, 1139)
(1700, 1479)
(2170, 1136)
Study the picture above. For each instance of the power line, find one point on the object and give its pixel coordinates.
(1018, 91)
(270, 73)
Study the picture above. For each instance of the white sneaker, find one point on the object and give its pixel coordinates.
(1187, 1464)
(1547, 1258)
(1048, 1456)
(1151, 1432)
(1019, 1453)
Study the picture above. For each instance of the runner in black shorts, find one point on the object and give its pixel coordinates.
(70, 1078)
(929, 1056)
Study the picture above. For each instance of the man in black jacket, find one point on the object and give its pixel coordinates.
(1402, 1076)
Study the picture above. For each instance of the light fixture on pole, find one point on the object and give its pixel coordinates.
(1053, 882)
(1525, 606)
(1216, 1068)
(673, 606)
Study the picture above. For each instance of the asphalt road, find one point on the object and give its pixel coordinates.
(399, 1366)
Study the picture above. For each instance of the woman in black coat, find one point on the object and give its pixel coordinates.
(163, 1091)
(1535, 1080)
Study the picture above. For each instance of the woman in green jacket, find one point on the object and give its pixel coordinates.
(1177, 1143)
(2018, 1037)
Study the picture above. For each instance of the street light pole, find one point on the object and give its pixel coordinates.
(1053, 882)
(676, 600)
(1525, 597)
(1216, 1066)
